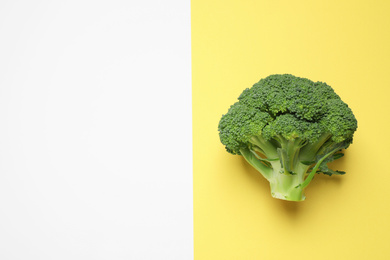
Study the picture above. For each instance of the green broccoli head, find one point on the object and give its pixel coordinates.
(287, 127)
(240, 124)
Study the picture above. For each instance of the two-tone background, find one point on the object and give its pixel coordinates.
(109, 146)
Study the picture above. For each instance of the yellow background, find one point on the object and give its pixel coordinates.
(347, 45)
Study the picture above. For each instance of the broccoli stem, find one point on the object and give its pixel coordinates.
(267, 148)
(286, 186)
(256, 163)
(289, 152)
(286, 165)
(313, 172)
(309, 151)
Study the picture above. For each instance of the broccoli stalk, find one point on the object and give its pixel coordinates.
(289, 129)
(288, 173)
(284, 185)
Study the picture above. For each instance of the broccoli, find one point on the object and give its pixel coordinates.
(288, 128)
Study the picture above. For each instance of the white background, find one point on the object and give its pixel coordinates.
(95, 134)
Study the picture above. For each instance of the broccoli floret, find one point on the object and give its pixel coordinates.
(288, 128)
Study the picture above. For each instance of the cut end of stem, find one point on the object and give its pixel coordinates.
(281, 189)
(281, 196)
